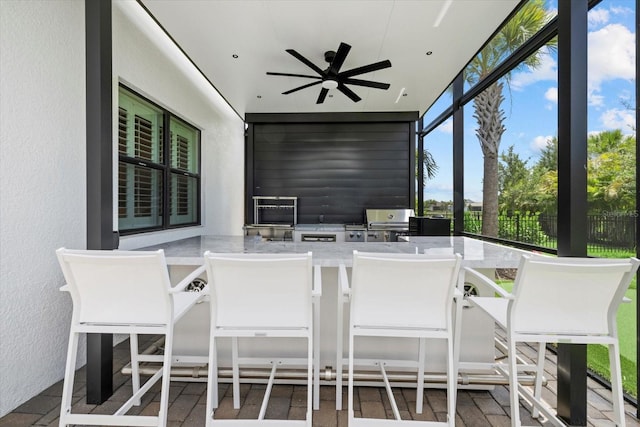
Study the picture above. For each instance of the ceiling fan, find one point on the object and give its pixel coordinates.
(332, 78)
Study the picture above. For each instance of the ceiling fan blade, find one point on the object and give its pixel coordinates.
(269, 73)
(338, 60)
(305, 61)
(301, 87)
(367, 83)
(366, 69)
(351, 94)
(322, 96)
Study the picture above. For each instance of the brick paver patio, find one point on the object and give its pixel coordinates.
(475, 408)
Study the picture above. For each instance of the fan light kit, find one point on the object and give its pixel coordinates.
(329, 84)
(332, 78)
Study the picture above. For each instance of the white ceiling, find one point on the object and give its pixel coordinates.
(211, 32)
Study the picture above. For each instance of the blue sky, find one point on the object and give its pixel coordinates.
(531, 103)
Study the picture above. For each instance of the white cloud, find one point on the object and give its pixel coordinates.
(618, 119)
(621, 10)
(551, 95)
(595, 99)
(540, 142)
(598, 16)
(446, 126)
(625, 95)
(611, 55)
(547, 70)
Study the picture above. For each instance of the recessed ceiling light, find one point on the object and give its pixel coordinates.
(429, 52)
(235, 56)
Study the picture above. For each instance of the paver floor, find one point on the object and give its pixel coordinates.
(475, 408)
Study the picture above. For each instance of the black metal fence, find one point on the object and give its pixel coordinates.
(611, 231)
(606, 232)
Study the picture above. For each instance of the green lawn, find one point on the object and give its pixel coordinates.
(627, 326)
(598, 355)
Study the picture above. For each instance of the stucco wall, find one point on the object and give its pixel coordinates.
(42, 167)
(146, 61)
(42, 194)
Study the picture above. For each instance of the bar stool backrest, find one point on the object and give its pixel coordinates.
(570, 296)
(402, 290)
(257, 291)
(112, 287)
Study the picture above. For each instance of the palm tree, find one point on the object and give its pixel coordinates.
(429, 168)
(487, 106)
(429, 165)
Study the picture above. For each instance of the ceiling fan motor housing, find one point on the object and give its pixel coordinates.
(329, 56)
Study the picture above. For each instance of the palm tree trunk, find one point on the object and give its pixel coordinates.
(490, 196)
(490, 118)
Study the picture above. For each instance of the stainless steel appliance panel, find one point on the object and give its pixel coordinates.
(324, 237)
(355, 233)
(319, 233)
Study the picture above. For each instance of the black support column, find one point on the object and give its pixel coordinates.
(99, 177)
(637, 212)
(420, 169)
(572, 188)
(458, 156)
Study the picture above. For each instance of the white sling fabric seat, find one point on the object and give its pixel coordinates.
(261, 296)
(558, 300)
(123, 292)
(409, 296)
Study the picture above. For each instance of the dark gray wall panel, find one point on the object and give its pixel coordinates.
(336, 170)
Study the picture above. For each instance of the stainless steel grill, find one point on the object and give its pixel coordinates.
(386, 225)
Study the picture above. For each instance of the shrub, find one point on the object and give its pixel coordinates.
(522, 228)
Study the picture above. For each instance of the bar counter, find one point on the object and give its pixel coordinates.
(477, 343)
(475, 253)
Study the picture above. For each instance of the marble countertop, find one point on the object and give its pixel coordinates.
(475, 253)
